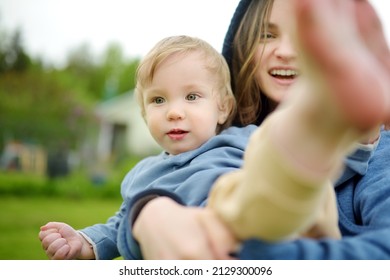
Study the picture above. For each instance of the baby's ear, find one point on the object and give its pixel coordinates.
(225, 110)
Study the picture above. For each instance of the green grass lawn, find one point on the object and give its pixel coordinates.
(21, 217)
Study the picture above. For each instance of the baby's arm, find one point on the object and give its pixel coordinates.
(61, 242)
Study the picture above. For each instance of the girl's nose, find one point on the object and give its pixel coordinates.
(286, 49)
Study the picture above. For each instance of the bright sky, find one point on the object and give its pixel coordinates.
(51, 28)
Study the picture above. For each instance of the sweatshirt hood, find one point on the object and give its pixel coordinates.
(227, 51)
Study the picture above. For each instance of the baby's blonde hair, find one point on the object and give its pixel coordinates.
(215, 63)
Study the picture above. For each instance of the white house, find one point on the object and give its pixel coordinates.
(122, 128)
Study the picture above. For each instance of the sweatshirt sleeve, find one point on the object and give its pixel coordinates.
(104, 236)
(133, 250)
(364, 207)
(373, 245)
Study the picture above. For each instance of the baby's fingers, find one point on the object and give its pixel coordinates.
(50, 239)
(44, 233)
(60, 250)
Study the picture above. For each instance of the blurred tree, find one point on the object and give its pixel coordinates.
(80, 61)
(12, 54)
(104, 77)
(35, 107)
(118, 72)
(127, 76)
(55, 107)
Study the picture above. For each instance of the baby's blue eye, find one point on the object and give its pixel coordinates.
(192, 97)
(158, 100)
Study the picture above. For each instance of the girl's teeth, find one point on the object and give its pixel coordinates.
(284, 72)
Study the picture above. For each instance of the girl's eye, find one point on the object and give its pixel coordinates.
(158, 100)
(266, 36)
(192, 97)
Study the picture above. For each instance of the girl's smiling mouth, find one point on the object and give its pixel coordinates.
(284, 73)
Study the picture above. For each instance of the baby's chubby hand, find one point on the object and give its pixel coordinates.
(61, 242)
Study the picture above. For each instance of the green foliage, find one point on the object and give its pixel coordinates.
(102, 78)
(78, 185)
(21, 184)
(73, 186)
(54, 108)
(35, 107)
(127, 76)
(12, 54)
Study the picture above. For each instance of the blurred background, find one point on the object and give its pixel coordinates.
(70, 128)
